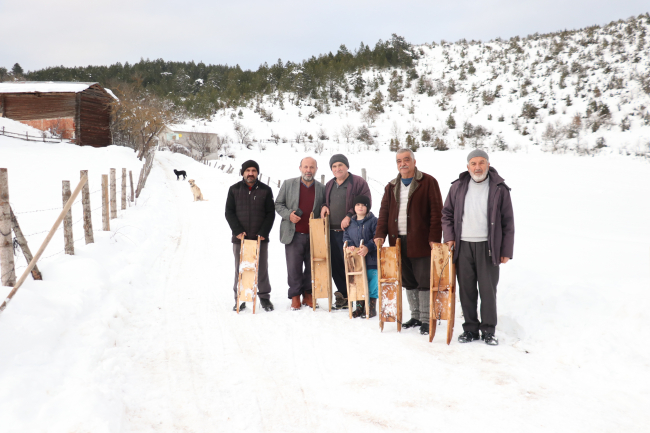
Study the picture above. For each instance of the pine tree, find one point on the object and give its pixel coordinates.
(17, 70)
(451, 122)
(377, 102)
(412, 143)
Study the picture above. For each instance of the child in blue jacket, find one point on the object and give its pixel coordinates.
(362, 227)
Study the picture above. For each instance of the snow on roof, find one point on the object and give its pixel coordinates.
(44, 87)
(110, 92)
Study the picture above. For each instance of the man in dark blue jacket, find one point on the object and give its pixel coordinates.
(250, 211)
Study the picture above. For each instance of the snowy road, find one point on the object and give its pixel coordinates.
(195, 366)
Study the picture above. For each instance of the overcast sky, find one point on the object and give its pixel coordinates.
(41, 33)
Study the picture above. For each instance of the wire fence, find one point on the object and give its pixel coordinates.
(25, 136)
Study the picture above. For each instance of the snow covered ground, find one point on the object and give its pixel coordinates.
(135, 333)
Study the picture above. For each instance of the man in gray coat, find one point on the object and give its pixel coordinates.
(297, 199)
(478, 221)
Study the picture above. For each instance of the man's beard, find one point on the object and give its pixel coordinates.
(479, 177)
(250, 179)
(307, 177)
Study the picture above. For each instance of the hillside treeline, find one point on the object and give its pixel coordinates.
(203, 89)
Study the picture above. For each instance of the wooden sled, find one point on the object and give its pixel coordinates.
(356, 278)
(321, 262)
(389, 275)
(249, 260)
(443, 289)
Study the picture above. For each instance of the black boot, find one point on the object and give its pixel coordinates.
(490, 339)
(241, 307)
(467, 337)
(340, 303)
(411, 323)
(424, 329)
(372, 307)
(360, 311)
(266, 304)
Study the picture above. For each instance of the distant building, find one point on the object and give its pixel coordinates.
(76, 111)
(176, 138)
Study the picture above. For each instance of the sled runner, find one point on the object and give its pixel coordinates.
(356, 278)
(389, 273)
(443, 289)
(249, 259)
(321, 263)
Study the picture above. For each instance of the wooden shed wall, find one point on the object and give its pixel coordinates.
(94, 117)
(34, 106)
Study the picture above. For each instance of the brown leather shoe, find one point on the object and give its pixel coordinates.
(307, 300)
(295, 303)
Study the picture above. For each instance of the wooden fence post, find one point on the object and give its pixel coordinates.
(322, 179)
(7, 265)
(106, 225)
(36, 274)
(278, 184)
(131, 179)
(85, 202)
(139, 188)
(67, 221)
(47, 240)
(113, 195)
(363, 173)
(124, 189)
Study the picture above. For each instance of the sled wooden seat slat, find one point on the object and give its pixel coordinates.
(389, 275)
(356, 278)
(443, 290)
(321, 263)
(249, 259)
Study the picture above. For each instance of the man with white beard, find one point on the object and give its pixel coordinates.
(478, 222)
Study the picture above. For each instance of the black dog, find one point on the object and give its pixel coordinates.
(180, 173)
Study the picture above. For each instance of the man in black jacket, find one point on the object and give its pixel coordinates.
(250, 211)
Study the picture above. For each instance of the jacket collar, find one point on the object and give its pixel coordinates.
(368, 215)
(255, 185)
(417, 176)
(495, 178)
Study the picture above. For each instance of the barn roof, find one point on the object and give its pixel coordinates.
(43, 87)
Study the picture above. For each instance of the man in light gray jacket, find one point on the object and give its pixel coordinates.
(297, 199)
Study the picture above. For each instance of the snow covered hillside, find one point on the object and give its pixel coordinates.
(582, 91)
(136, 332)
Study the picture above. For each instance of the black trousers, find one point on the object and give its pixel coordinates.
(298, 258)
(474, 266)
(338, 265)
(416, 271)
(263, 284)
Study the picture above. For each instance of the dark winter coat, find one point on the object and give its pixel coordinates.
(423, 213)
(357, 186)
(501, 221)
(363, 230)
(251, 211)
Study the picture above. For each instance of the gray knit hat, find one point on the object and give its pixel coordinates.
(478, 152)
(339, 157)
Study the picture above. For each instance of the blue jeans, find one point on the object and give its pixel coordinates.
(373, 289)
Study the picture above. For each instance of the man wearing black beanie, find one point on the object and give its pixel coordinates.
(250, 212)
(339, 205)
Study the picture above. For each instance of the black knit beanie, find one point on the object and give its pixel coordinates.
(364, 200)
(339, 157)
(248, 164)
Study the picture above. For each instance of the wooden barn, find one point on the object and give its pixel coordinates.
(76, 111)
